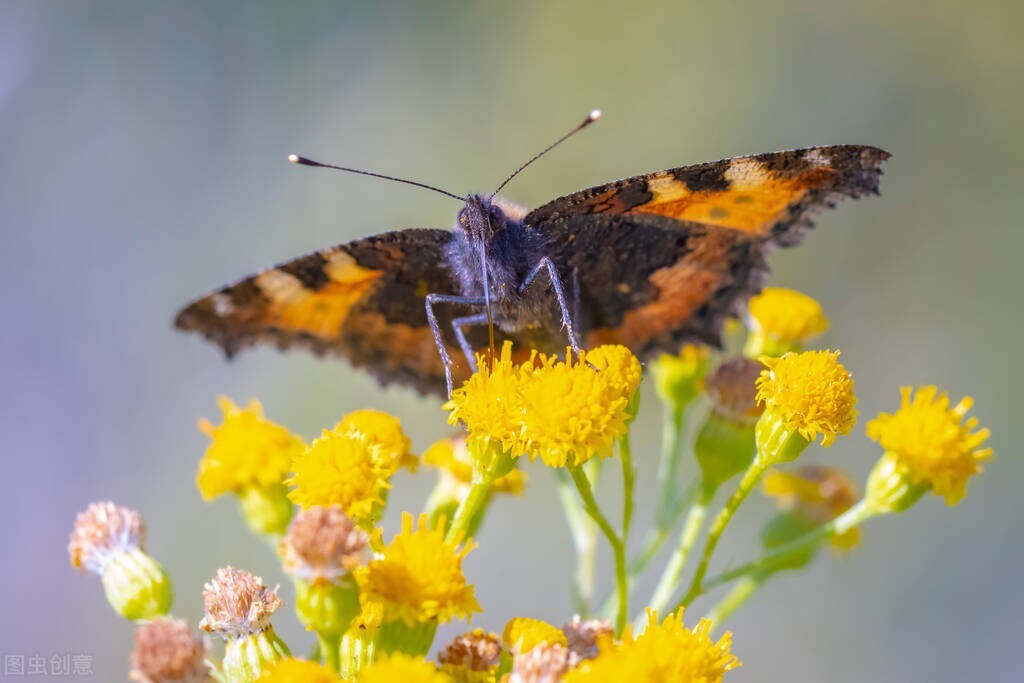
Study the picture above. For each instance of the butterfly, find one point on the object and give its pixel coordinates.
(650, 262)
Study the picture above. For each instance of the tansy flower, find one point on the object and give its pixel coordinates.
(399, 668)
(339, 469)
(389, 447)
(542, 664)
(679, 379)
(930, 443)
(489, 403)
(166, 651)
(522, 634)
(319, 551)
(572, 412)
(782, 320)
(238, 608)
(418, 577)
(293, 670)
(816, 495)
(107, 540)
(663, 652)
(246, 450)
(808, 393)
(586, 636)
(472, 657)
(451, 457)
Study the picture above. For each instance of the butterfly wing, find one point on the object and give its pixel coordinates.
(774, 195)
(665, 258)
(363, 301)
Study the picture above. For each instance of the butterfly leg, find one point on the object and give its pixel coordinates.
(546, 264)
(460, 334)
(442, 349)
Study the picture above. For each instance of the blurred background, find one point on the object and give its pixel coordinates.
(142, 162)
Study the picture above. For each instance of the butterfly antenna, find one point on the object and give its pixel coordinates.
(303, 161)
(593, 116)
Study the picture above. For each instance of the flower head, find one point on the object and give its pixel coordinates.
(489, 402)
(107, 541)
(103, 531)
(418, 577)
(931, 443)
(572, 412)
(585, 637)
(246, 450)
(732, 388)
(810, 393)
(472, 657)
(451, 457)
(399, 668)
(237, 604)
(522, 634)
(817, 494)
(678, 379)
(542, 663)
(293, 670)
(339, 469)
(389, 447)
(322, 545)
(663, 652)
(783, 320)
(166, 651)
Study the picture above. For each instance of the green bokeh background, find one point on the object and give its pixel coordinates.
(142, 161)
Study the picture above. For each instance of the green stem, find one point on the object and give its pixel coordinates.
(856, 515)
(579, 478)
(469, 509)
(673, 573)
(583, 531)
(668, 462)
(735, 598)
(628, 486)
(750, 479)
(330, 650)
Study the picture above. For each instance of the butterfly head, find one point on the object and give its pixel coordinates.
(481, 219)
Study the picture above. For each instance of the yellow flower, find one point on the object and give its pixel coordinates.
(572, 412)
(489, 402)
(451, 457)
(678, 379)
(390, 447)
(663, 652)
(246, 450)
(817, 495)
(339, 469)
(783, 320)
(418, 578)
(810, 393)
(299, 671)
(930, 442)
(399, 668)
(522, 634)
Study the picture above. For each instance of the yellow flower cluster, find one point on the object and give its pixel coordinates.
(565, 413)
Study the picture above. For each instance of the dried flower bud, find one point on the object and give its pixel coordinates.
(166, 651)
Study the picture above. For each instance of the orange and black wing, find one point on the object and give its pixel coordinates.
(363, 301)
(665, 258)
